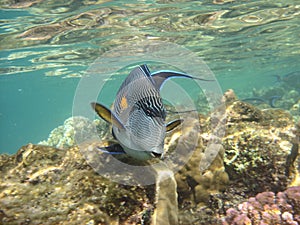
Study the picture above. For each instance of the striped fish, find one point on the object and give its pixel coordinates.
(138, 116)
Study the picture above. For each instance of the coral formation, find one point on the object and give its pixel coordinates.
(45, 185)
(195, 186)
(74, 129)
(257, 144)
(267, 208)
(258, 153)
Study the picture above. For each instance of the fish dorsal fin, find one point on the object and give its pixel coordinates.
(145, 69)
(139, 72)
(138, 85)
(107, 115)
(160, 77)
(173, 124)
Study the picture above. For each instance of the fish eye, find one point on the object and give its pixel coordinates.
(150, 113)
(151, 109)
(154, 113)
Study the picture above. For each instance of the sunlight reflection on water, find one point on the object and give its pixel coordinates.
(227, 34)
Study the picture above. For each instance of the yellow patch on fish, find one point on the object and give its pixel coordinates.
(123, 103)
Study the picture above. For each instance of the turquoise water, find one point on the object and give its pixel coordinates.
(46, 47)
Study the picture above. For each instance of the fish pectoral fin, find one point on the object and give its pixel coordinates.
(161, 76)
(102, 111)
(107, 115)
(173, 124)
(114, 149)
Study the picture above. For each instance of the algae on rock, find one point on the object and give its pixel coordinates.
(45, 185)
(257, 145)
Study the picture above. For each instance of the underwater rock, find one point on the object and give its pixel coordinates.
(229, 96)
(240, 112)
(267, 208)
(45, 185)
(257, 145)
(258, 153)
(193, 186)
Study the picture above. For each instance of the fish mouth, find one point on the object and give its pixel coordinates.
(156, 155)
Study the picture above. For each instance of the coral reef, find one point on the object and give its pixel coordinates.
(45, 185)
(195, 187)
(258, 153)
(267, 208)
(74, 128)
(257, 144)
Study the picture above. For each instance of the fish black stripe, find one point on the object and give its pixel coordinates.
(145, 70)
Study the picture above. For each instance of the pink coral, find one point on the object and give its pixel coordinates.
(267, 209)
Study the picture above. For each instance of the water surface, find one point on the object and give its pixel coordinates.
(46, 46)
